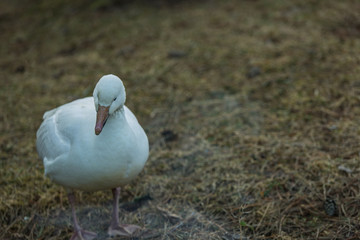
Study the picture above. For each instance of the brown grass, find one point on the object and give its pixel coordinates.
(251, 108)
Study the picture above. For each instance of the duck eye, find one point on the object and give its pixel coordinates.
(114, 99)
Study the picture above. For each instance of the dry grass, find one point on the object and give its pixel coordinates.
(251, 108)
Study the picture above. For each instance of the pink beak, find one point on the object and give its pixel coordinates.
(101, 117)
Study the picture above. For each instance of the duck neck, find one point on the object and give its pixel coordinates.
(119, 113)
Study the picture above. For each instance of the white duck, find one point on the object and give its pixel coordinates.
(76, 157)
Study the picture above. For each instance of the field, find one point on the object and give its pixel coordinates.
(251, 108)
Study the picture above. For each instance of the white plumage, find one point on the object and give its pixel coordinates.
(93, 143)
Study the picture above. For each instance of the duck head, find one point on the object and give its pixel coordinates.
(109, 96)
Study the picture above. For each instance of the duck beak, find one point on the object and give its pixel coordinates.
(101, 117)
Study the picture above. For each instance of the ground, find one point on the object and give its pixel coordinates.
(251, 108)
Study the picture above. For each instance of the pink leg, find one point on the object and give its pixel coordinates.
(79, 233)
(117, 229)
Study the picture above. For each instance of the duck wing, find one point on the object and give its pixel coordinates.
(59, 128)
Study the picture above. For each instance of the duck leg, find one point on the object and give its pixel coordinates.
(79, 233)
(117, 229)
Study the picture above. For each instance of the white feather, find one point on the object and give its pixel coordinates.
(76, 158)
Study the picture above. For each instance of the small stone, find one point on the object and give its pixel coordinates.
(345, 169)
(176, 54)
(20, 69)
(332, 127)
(330, 207)
(236, 237)
(169, 135)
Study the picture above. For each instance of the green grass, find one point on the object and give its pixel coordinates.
(264, 101)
